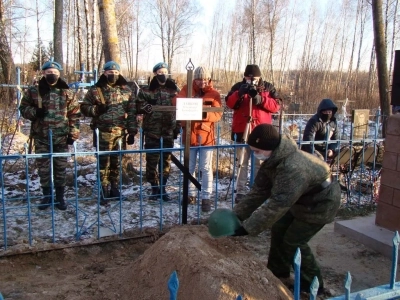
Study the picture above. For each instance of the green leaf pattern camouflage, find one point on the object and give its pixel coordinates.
(62, 114)
(279, 185)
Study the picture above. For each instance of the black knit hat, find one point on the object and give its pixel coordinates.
(252, 71)
(264, 137)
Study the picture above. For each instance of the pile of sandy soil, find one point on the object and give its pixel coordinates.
(207, 268)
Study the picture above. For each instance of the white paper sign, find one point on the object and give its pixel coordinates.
(189, 109)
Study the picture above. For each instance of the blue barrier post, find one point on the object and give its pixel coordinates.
(347, 286)
(394, 260)
(297, 264)
(173, 286)
(314, 288)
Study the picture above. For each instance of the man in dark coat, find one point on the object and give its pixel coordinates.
(294, 196)
(156, 125)
(317, 130)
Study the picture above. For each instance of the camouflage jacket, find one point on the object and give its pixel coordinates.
(61, 116)
(283, 183)
(156, 124)
(117, 99)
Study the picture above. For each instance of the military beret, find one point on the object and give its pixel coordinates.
(111, 65)
(51, 65)
(160, 66)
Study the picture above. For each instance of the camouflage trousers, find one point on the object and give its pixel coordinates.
(288, 234)
(110, 163)
(153, 160)
(44, 164)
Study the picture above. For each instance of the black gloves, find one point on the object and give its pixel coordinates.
(240, 231)
(268, 87)
(244, 88)
(131, 139)
(148, 109)
(70, 141)
(40, 112)
(102, 108)
(257, 100)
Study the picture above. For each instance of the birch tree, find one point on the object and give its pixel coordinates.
(58, 31)
(174, 24)
(380, 49)
(109, 33)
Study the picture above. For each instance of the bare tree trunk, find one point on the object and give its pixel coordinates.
(68, 17)
(95, 41)
(137, 40)
(6, 60)
(80, 35)
(38, 35)
(58, 30)
(89, 63)
(380, 49)
(109, 33)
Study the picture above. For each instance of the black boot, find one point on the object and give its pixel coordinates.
(61, 205)
(165, 196)
(103, 196)
(114, 191)
(155, 193)
(46, 201)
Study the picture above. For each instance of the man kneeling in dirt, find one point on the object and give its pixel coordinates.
(294, 195)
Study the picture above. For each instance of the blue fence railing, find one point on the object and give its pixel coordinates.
(356, 166)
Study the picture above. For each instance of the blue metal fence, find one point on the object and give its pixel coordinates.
(21, 223)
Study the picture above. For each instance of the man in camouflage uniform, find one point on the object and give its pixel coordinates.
(295, 196)
(157, 125)
(107, 102)
(51, 105)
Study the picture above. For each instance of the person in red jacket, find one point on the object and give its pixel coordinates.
(253, 101)
(202, 134)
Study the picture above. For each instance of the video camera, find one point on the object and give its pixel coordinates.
(252, 91)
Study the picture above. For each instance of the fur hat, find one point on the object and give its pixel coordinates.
(111, 65)
(159, 66)
(201, 73)
(52, 65)
(264, 137)
(252, 71)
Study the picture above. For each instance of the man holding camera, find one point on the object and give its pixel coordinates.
(253, 101)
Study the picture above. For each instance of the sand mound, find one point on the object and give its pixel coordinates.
(207, 269)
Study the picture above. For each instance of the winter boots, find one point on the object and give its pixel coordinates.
(156, 191)
(114, 191)
(46, 201)
(205, 205)
(61, 205)
(103, 196)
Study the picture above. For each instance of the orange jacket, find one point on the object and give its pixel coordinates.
(202, 130)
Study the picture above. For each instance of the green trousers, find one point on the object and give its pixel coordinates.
(288, 234)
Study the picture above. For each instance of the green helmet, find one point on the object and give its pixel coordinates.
(223, 222)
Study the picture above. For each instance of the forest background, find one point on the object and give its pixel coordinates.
(308, 49)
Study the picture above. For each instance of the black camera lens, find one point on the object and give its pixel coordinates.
(252, 91)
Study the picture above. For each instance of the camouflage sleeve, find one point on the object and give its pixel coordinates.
(142, 99)
(73, 115)
(286, 190)
(132, 124)
(27, 108)
(87, 106)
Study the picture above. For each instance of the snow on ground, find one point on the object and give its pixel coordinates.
(22, 223)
